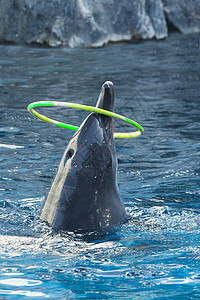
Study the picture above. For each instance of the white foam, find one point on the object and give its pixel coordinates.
(20, 282)
(11, 146)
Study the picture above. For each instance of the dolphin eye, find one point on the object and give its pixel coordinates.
(70, 152)
(109, 162)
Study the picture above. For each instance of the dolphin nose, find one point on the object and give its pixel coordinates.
(106, 97)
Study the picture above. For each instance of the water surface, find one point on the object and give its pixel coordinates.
(154, 256)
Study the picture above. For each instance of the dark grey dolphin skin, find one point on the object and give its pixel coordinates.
(84, 195)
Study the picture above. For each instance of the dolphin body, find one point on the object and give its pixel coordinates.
(84, 195)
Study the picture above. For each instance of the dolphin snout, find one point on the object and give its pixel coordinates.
(106, 97)
(108, 85)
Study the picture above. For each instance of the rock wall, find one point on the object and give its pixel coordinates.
(90, 23)
(183, 14)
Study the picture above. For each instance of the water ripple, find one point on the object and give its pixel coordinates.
(157, 252)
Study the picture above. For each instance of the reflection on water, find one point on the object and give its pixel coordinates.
(157, 252)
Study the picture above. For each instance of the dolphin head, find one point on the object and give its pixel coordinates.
(84, 194)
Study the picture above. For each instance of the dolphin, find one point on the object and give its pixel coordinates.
(84, 195)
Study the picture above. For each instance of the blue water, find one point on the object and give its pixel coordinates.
(156, 255)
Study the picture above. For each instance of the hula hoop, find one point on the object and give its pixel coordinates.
(134, 134)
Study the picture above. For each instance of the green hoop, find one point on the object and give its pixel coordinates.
(134, 134)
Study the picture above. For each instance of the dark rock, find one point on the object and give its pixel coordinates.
(183, 14)
(85, 23)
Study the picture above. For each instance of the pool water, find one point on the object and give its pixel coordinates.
(156, 255)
